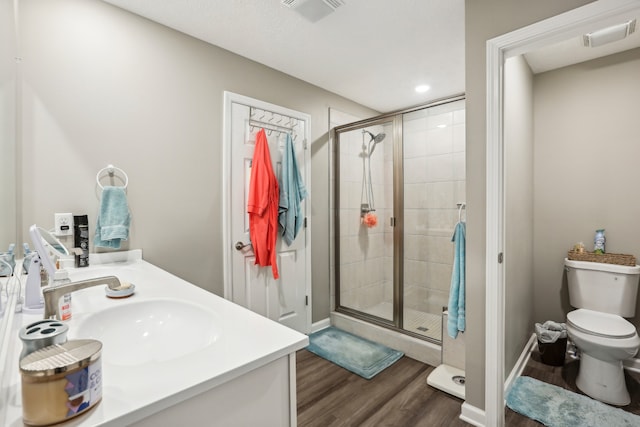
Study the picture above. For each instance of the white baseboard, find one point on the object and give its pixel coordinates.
(320, 325)
(472, 415)
(520, 363)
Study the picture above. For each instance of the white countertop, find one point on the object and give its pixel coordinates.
(242, 341)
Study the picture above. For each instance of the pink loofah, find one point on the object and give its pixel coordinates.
(370, 220)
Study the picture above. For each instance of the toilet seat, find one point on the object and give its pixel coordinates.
(601, 324)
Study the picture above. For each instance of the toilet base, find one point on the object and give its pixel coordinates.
(603, 381)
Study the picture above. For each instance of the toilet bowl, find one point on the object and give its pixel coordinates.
(605, 341)
(603, 294)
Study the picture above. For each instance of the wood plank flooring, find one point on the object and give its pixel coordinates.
(399, 396)
(330, 396)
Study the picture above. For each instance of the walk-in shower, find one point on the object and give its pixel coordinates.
(398, 181)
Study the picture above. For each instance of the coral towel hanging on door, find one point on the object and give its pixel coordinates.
(262, 205)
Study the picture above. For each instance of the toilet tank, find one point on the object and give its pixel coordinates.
(607, 288)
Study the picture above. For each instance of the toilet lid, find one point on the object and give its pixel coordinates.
(602, 324)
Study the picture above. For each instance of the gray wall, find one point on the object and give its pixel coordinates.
(484, 20)
(587, 150)
(104, 86)
(518, 173)
(7, 125)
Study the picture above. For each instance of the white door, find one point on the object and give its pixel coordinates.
(286, 300)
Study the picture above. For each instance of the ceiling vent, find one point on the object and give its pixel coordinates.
(313, 10)
(609, 34)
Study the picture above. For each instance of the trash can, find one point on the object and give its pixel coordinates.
(552, 342)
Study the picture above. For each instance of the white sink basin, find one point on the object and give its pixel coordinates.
(150, 331)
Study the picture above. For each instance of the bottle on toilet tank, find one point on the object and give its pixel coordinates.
(599, 242)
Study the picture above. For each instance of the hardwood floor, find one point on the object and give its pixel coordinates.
(399, 396)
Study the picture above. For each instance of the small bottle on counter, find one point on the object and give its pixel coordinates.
(64, 304)
(599, 242)
(81, 239)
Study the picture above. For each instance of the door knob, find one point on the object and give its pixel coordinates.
(240, 246)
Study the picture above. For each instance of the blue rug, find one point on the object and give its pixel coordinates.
(358, 355)
(556, 407)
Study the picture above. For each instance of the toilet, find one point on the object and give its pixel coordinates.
(603, 295)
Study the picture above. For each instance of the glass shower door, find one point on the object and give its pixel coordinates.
(365, 200)
(434, 184)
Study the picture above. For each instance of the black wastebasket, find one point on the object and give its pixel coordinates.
(553, 353)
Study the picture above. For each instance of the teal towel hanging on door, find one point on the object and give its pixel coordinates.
(292, 193)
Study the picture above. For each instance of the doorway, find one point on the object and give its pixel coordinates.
(286, 300)
(583, 20)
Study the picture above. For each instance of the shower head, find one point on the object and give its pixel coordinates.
(375, 138)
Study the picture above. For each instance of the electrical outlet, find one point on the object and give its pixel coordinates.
(64, 224)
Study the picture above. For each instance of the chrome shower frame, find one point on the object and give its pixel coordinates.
(397, 219)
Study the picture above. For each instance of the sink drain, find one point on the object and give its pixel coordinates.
(458, 379)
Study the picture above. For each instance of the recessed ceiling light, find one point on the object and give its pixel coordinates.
(441, 126)
(422, 88)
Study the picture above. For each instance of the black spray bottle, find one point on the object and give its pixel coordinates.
(81, 239)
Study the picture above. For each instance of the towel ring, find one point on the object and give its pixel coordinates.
(110, 169)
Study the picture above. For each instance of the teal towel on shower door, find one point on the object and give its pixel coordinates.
(456, 318)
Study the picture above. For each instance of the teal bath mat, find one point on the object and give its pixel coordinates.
(556, 407)
(358, 355)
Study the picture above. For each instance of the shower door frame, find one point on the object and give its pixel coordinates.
(397, 324)
(397, 218)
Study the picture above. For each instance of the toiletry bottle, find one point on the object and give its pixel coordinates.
(81, 239)
(64, 304)
(599, 241)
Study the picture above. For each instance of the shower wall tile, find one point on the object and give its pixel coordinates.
(415, 297)
(459, 144)
(415, 272)
(438, 168)
(441, 221)
(439, 249)
(415, 221)
(414, 247)
(439, 276)
(436, 300)
(460, 191)
(439, 195)
(441, 119)
(459, 172)
(415, 195)
(440, 141)
(415, 143)
(415, 170)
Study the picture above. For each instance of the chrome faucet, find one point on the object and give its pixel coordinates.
(52, 294)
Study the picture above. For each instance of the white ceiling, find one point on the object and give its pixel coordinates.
(373, 52)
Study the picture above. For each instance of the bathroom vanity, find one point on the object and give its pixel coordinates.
(173, 354)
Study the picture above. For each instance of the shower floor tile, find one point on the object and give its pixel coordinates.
(426, 324)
